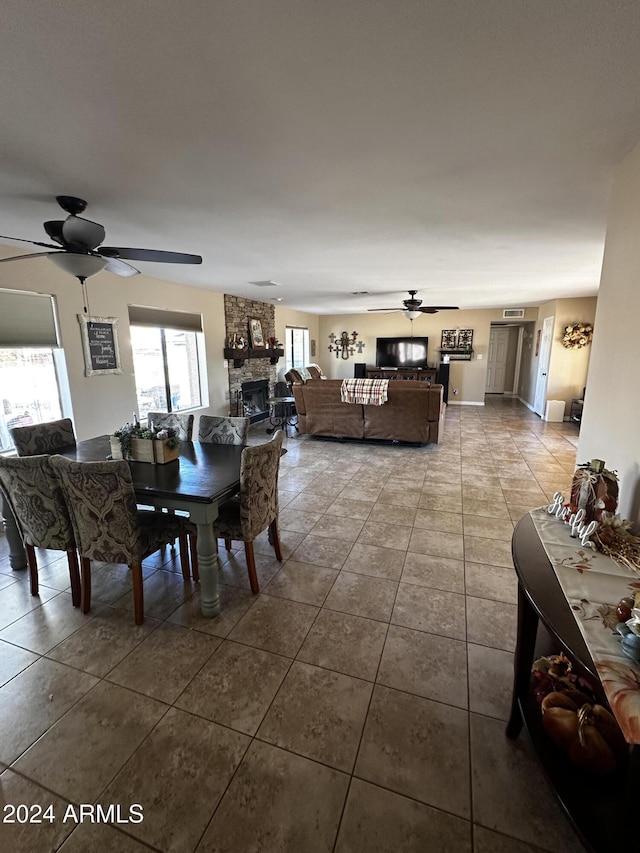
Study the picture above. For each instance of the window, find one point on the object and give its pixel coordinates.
(296, 347)
(29, 387)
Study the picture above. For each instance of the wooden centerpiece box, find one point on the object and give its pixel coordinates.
(140, 444)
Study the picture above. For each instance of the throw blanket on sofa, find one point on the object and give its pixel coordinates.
(366, 392)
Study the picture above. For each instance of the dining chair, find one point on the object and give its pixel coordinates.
(43, 438)
(255, 507)
(107, 524)
(223, 430)
(183, 424)
(35, 498)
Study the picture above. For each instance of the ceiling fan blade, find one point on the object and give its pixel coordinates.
(54, 229)
(433, 309)
(82, 232)
(386, 310)
(33, 242)
(32, 255)
(120, 268)
(149, 255)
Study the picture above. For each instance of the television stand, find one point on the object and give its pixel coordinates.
(419, 374)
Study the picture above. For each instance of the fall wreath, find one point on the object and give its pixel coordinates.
(577, 335)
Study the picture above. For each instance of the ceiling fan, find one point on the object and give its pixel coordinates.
(413, 307)
(77, 246)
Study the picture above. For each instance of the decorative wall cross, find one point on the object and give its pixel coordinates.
(345, 345)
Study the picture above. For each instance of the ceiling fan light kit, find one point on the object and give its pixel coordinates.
(80, 266)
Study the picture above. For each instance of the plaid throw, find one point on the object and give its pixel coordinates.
(366, 392)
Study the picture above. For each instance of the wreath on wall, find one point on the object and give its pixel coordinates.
(577, 335)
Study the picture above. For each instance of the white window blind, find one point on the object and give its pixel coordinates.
(139, 315)
(27, 320)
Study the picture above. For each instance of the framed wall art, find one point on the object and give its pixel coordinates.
(100, 345)
(255, 333)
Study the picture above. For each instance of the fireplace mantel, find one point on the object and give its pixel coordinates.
(239, 356)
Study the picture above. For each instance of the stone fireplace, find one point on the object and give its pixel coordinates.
(237, 312)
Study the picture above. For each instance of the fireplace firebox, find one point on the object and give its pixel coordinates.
(254, 400)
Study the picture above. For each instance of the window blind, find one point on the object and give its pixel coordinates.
(27, 320)
(160, 318)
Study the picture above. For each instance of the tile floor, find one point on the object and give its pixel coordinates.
(357, 704)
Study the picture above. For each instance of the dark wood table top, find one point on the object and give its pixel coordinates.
(541, 586)
(203, 473)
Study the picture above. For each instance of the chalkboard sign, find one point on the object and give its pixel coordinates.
(100, 345)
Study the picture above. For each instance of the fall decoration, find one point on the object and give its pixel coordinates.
(554, 674)
(594, 489)
(615, 539)
(587, 733)
(577, 335)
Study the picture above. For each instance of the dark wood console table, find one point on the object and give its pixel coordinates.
(426, 374)
(599, 809)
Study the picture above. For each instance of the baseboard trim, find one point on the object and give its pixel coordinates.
(463, 403)
(528, 405)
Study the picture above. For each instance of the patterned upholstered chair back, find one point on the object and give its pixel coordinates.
(182, 423)
(43, 438)
(102, 502)
(259, 486)
(36, 499)
(223, 430)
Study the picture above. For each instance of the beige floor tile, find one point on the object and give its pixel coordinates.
(490, 681)
(289, 541)
(32, 701)
(440, 503)
(234, 603)
(163, 593)
(495, 582)
(494, 552)
(312, 503)
(436, 572)
(517, 511)
(110, 723)
(110, 582)
(492, 623)
(362, 595)
(392, 515)
(369, 493)
(378, 821)
(350, 508)
(403, 497)
(322, 551)
(100, 838)
(220, 691)
(319, 714)
(488, 528)
(418, 748)
(204, 757)
(532, 496)
(493, 508)
(41, 629)
(297, 520)
(31, 837)
(436, 543)
(379, 562)
(302, 582)
(13, 660)
(164, 663)
(509, 791)
(17, 600)
(432, 610)
(103, 641)
(392, 536)
(233, 567)
(275, 625)
(282, 816)
(486, 841)
(445, 522)
(345, 643)
(425, 664)
(335, 527)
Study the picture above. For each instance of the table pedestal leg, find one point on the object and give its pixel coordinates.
(17, 556)
(525, 647)
(208, 567)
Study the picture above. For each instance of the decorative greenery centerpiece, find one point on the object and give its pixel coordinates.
(145, 444)
(577, 335)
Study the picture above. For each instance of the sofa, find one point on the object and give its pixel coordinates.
(413, 412)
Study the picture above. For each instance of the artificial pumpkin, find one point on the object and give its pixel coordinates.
(587, 733)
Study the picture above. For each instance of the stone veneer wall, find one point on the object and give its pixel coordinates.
(237, 312)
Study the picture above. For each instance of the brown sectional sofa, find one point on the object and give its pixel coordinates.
(413, 412)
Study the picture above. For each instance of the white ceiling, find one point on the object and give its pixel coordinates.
(461, 149)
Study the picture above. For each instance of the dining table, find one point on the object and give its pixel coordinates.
(197, 482)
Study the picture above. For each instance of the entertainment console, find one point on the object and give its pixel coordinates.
(426, 374)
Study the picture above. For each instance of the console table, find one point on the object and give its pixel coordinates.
(596, 807)
(427, 374)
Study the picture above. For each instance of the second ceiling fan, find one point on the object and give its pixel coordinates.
(413, 307)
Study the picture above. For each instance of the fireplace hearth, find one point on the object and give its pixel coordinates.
(254, 396)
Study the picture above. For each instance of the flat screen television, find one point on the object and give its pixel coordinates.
(402, 352)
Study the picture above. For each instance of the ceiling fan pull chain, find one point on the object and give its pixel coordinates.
(85, 300)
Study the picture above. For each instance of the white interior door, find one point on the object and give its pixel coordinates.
(497, 360)
(543, 366)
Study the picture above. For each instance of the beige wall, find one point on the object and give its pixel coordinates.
(610, 423)
(467, 376)
(103, 403)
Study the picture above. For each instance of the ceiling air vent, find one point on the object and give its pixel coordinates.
(513, 314)
(267, 283)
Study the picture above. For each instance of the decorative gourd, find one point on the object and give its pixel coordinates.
(587, 733)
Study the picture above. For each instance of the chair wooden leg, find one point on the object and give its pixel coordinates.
(138, 594)
(227, 544)
(74, 575)
(193, 546)
(275, 539)
(85, 570)
(184, 555)
(33, 568)
(251, 567)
